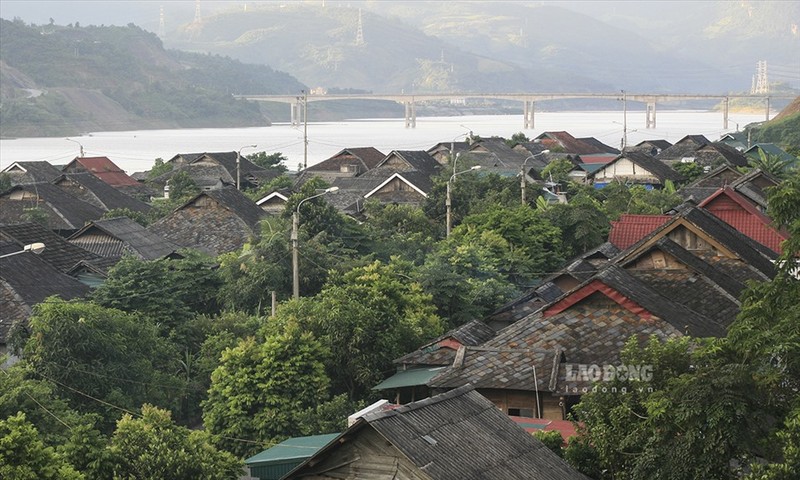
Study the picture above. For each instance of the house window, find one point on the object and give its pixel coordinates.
(521, 412)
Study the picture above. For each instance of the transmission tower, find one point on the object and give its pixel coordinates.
(197, 17)
(760, 80)
(161, 27)
(360, 31)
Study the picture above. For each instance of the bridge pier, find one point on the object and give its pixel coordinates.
(296, 113)
(767, 112)
(527, 114)
(411, 114)
(650, 115)
(725, 114)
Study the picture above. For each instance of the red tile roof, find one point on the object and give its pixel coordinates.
(106, 170)
(738, 212)
(629, 229)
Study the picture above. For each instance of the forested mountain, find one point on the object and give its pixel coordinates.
(66, 79)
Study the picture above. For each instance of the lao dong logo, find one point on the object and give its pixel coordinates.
(609, 373)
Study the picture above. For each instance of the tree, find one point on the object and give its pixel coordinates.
(582, 222)
(367, 317)
(23, 455)
(182, 187)
(558, 170)
(153, 447)
(771, 164)
(101, 359)
(690, 170)
(273, 161)
(260, 388)
(159, 168)
(401, 230)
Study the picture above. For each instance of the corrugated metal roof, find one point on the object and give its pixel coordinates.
(409, 378)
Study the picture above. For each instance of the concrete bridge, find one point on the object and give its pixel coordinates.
(298, 103)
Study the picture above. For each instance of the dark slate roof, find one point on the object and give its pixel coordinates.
(58, 252)
(65, 212)
(605, 250)
(600, 146)
(31, 172)
(25, 280)
(568, 143)
(91, 189)
(505, 368)
(115, 237)
(204, 176)
(531, 148)
(239, 204)
(471, 333)
(752, 186)
(461, 435)
(366, 157)
(658, 143)
(685, 147)
(729, 154)
(659, 169)
(706, 185)
(418, 160)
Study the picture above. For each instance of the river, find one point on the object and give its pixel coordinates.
(136, 151)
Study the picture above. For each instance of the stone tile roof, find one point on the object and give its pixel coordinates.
(91, 189)
(658, 169)
(507, 368)
(118, 236)
(715, 152)
(753, 184)
(22, 173)
(569, 144)
(58, 252)
(25, 280)
(64, 211)
(599, 145)
(630, 228)
(683, 148)
(366, 158)
(216, 221)
(457, 434)
(441, 352)
(418, 160)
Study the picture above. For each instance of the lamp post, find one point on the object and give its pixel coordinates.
(238, 159)
(79, 144)
(295, 252)
(448, 202)
(35, 248)
(522, 182)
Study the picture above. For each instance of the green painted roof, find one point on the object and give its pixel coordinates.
(409, 378)
(298, 448)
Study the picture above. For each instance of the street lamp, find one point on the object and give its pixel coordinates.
(79, 144)
(522, 182)
(449, 202)
(35, 248)
(295, 252)
(238, 158)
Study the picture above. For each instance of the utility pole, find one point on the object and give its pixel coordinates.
(523, 183)
(624, 120)
(294, 237)
(238, 158)
(305, 130)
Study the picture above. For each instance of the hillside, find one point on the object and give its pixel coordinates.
(702, 47)
(59, 80)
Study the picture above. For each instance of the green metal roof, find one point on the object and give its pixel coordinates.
(298, 448)
(409, 378)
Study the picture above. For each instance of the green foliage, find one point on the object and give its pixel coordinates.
(558, 170)
(367, 317)
(551, 440)
(249, 277)
(789, 465)
(273, 161)
(182, 187)
(517, 138)
(260, 389)
(582, 222)
(784, 132)
(169, 291)
(35, 215)
(618, 198)
(5, 182)
(328, 417)
(153, 447)
(23, 455)
(159, 168)
(141, 218)
(691, 171)
(101, 358)
(401, 230)
(277, 183)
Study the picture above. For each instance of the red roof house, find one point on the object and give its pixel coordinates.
(102, 168)
(630, 228)
(738, 212)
